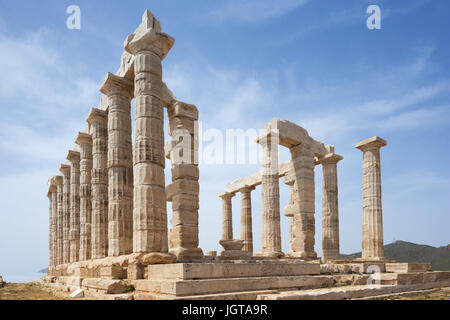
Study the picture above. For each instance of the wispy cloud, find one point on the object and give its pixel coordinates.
(254, 10)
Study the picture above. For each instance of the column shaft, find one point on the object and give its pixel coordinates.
(74, 232)
(84, 140)
(227, 216)
(303, 223)
(65, 170)
(330, 209)
(59, 220)
(99, 183)
(120, 165)
(246, 219)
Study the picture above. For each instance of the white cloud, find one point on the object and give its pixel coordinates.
(254, 10)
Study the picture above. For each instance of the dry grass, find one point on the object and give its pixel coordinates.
(28, 291)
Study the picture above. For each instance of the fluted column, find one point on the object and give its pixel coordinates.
(303, 223)
(74, 233)
(149, 47)
(65, 171)
(227, 215)
(271, 229)
(59, 220)
(330, 209)
(98, 122)
(120, 164)
(84, 140)
(53, 200)
(246, 219)
(292, 206)
(372, 228)
(183, 240)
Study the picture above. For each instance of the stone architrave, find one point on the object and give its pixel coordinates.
(119, 91)
(303, 221)
(84, 140)
(246, 219)
(183, 236)
(372, 226)
(59, 220)
(74, 232)
(98, 122)
(65, 171)
(149, 46)
(330, 209)
(227, 215)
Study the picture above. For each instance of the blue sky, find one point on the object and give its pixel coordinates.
(241, 63)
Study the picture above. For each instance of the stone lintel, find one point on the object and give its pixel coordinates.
(83, 138)
(97, 115)
(182, 109)
(374, 142)
(113, 84)
(73, 155)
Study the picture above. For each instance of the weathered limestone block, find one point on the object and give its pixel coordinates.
(59, 220)
(405, 267)
(98, 120)
(120, 165)
(303, 221)
(74, 233)
(106, 285)
(149, 46)
(84, 140)
(330, 211)
(372, 243)
(65, 170)
(246, 219)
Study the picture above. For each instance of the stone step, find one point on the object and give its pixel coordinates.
(240, 295)
(190, 271)
(227, 285)
(350, 292)
(414, 277)
(406, 267)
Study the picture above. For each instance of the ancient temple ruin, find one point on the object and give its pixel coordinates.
(108, 206)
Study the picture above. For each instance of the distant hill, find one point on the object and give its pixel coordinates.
(403, 251)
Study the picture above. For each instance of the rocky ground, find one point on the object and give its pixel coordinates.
(34, 291)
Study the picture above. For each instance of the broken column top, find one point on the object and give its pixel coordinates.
(149, 32)
(374, 142)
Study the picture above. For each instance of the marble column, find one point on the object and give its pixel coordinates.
(65, 171)
(372, 228)
(53, 200)
(84, 140)
(98, 122)
(227, 215)
(119, 91)
(149, 47)
(330, 209)
(246, 218)
(74, 232)
(59, 220)
(292, 206)
(183, 239)
(303, 223)
(271, 229)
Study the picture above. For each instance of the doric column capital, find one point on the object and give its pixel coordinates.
(148, 37)
(58, 180)
(227, 195)
(116, 85)
(371, 143)
(181, 109)
(247, 189)
(97, 115)
(64, 169)
(83, 139)
(330, 158)
(73, 156)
